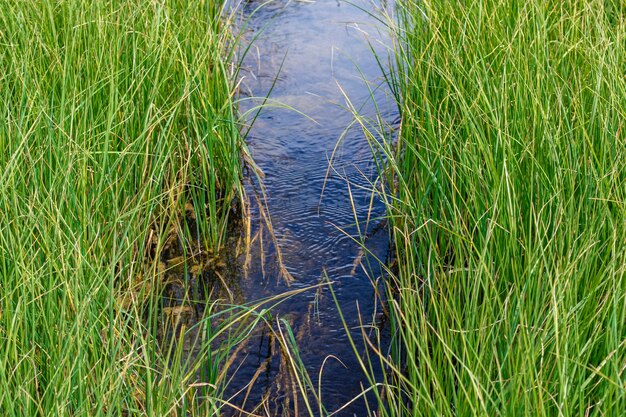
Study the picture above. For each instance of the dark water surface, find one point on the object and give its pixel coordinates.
(311, 53)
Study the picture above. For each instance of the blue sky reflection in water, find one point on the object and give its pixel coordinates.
(317, 47)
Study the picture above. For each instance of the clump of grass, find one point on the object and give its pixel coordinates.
(507, 202)
(116, 114)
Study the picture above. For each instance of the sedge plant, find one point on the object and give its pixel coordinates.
(506, 197)
(116, 115)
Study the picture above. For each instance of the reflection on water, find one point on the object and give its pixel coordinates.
(310, 54)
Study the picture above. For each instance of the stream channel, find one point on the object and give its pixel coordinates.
(311, 55)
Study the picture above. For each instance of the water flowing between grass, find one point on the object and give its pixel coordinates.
(433, 224)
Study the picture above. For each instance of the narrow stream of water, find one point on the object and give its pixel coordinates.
(312, 54)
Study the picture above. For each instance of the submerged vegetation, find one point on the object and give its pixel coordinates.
(506, 195)
(117, 119)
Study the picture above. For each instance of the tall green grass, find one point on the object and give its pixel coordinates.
(507, 200)
(115, 115)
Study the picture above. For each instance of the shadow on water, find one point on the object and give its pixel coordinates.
(311, 55)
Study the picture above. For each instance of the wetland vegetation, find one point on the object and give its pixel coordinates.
(117, 119)
(506, 194)
(121, 163)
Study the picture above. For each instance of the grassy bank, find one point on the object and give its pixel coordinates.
(116, 115)
(507, 199)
